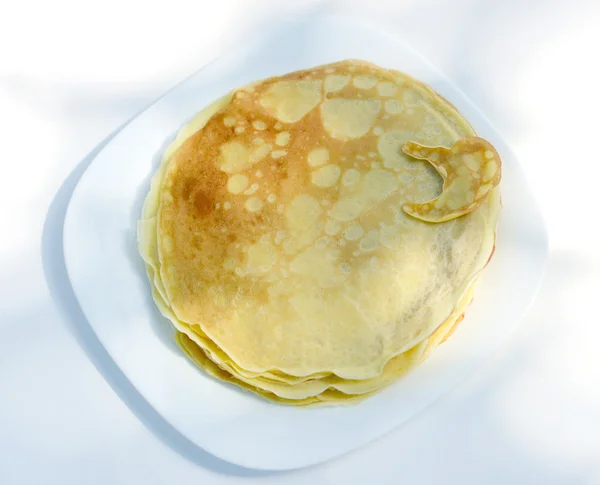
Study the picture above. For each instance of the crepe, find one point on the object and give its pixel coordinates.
(347, 389)
(288, 232)
(197, 355)
(330, 395)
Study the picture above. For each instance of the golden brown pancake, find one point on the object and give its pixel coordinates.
(285, 233)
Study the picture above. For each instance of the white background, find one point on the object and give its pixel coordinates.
(73, 72)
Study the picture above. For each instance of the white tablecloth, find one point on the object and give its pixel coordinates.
(72, 72)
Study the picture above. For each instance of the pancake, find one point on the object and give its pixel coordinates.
(318, 233)
(329, 396)
(197, 355)
(395, 367)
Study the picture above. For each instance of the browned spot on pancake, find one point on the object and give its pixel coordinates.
(204, 204)
(187, 188)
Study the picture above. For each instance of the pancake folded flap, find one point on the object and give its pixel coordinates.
(470, 169)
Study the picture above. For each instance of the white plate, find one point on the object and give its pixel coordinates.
(109, 281)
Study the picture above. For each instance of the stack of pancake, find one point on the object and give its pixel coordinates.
(313, 236)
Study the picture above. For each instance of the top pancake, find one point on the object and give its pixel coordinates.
(281, 229)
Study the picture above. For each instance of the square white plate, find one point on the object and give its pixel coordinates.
(110, 283)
